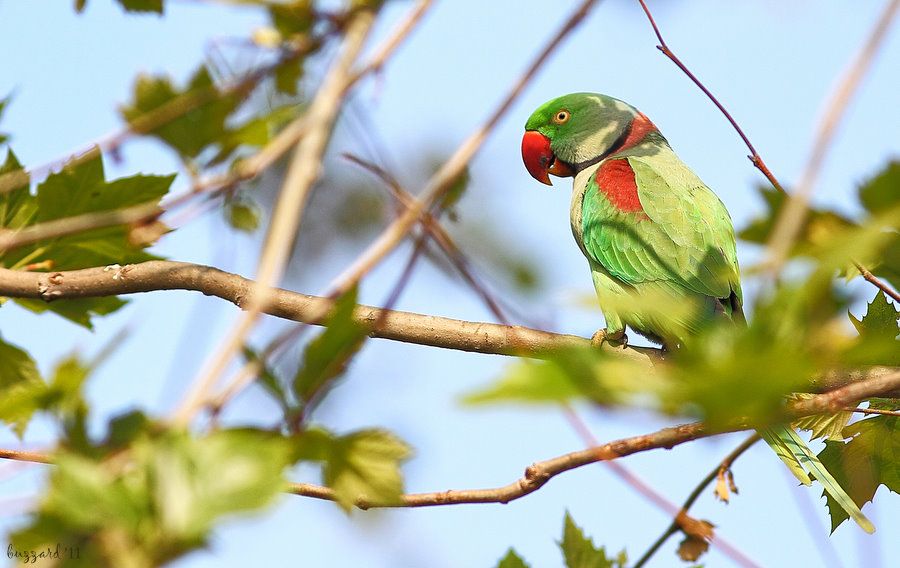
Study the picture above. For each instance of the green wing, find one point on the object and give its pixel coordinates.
(683, 239)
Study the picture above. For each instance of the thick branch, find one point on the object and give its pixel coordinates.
(408, 327)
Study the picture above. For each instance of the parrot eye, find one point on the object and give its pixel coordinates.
(561, 117)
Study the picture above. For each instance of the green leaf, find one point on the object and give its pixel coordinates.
(878, 330)
(188, 120)
(882, 192)
(142, 5)
(79, 188)
(361, 465)
(3, 103)
(20, 385)
(18, 207)
(571, 374)
(326, 356)
(512, 560)
(159, 497)
(269, 381)
(828, 426)
(292, 18)
(579, 550)
(870, 459)
(287, 77)
(243, 215)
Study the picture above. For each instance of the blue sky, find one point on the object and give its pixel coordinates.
(771, 63)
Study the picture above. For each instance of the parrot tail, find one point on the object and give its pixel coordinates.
(795, 454)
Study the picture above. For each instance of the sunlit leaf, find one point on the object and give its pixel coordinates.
(828, 426)
(79, 188)
(878, 330)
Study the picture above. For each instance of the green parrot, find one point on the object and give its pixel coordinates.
(659, 242)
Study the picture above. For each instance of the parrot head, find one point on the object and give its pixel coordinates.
(569, 133)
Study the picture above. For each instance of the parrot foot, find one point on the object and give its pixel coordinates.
(616, 339)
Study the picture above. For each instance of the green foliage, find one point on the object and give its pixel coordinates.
(295, 17)
(157, 498)
(3, 103)
(19, 381)
(512, 560)
(580, 552)
(363, 464)
(870, 459)
(153, 6)
(878, 330)
(828, 426)
(325, 357)
(882, 192)
(243, 214)
(80, 187)
(189, 120)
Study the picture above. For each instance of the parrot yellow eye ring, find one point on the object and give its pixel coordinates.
(561, 117)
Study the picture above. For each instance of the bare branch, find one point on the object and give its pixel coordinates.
(754, 156)
(878, 283)
(539, 473)
(875, 411)
(450, 171)
(788, 224)
(722, 466)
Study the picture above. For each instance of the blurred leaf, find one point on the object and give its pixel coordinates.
(269, 381)
(3, 103)
(80, 187)
(20, 382)
(456, 191)
(871, 458)
(882, 191)
(828, 426)
(17, 206)
(188, 120)
(362, 464)
(326, 356)
(287, 77)
(292, 17)
(243, 215)
(818, 225)
(159, 500)
(579, 550)
(142, 5)
(567, 374)
(255, 132)
(695, 545)
(512, 560)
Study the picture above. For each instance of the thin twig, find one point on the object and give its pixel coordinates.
(878, 283)
(754, 156)
(876, 411)
(789, 222)
(303, 171)
(724, 465)
(450, 171)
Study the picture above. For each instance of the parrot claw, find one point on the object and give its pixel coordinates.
(616, 339)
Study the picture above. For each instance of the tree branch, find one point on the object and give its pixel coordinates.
(539, 473)
(408, 327)
(754, 156)
(722, 466)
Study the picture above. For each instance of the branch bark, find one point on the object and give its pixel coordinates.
(539, 473)
(408, 327)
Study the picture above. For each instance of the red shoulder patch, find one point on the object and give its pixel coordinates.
(615, 178)
(640, 127)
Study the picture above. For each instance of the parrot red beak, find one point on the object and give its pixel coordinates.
(539, 158)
